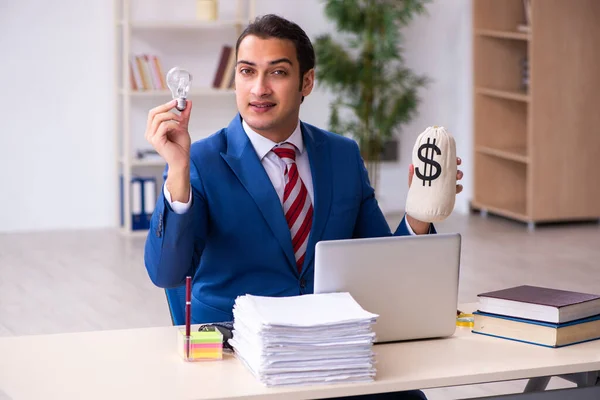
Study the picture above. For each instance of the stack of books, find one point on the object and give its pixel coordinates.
(309, 339)
(538, 315)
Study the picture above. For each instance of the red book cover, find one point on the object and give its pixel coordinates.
(223, 60)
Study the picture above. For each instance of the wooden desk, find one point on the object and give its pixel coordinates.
(143, 364)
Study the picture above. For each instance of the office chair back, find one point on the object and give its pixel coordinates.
(176, 301)
(176, 297)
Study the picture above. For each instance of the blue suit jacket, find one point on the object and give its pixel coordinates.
(235, 240)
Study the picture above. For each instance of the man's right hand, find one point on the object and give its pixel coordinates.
(169, 136)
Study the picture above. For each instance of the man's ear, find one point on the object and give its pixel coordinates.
(308, 82)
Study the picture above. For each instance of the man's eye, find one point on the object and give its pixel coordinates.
(245, 71)
(279, 72)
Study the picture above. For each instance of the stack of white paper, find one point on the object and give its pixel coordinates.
(316, 338)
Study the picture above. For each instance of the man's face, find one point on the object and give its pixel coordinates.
(267, 85)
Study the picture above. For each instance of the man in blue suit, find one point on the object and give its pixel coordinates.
(221, 216)
(242, 210)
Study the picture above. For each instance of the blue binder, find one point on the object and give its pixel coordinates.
(142, 200)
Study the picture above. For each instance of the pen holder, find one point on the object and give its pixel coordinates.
(200, 346)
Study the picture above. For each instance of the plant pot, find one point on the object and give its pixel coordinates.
(207, 10)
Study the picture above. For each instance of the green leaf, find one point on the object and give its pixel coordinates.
(335, 68)
(365, 69)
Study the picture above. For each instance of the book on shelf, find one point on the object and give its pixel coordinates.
(142, 202)
(225, 71)
(146, 73)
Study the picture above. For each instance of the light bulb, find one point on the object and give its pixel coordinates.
(179, 81)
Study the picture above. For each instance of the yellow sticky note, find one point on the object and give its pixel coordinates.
(465, 320)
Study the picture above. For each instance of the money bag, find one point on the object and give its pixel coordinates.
(432, 192)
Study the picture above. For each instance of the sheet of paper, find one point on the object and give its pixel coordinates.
(310, 310)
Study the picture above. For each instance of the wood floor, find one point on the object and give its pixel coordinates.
(56, 282)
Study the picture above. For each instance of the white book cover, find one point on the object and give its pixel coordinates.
(136, 73)
(149, 196)
(136, 197)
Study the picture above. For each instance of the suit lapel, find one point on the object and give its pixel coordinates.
(243, 161)
(320, 166)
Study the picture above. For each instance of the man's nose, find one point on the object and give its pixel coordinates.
(260, 87)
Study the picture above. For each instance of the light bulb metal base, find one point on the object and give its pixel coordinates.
(181, 103)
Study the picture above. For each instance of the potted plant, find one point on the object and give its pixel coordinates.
(375, 92)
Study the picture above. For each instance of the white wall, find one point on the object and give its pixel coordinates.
(56, 76)
(56, 135)
(439, 45)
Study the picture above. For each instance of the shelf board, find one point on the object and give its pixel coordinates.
(181, 25)
(167, 93)
(503, 34)
(516, 211)
(152, 162)
(148, 163)
(518, 154)
(504, 94)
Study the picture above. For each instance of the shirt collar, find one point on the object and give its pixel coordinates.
(263, 146)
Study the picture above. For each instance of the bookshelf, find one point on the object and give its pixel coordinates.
(176, 36)
(536, 140)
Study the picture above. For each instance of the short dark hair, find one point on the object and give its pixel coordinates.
(274, 26)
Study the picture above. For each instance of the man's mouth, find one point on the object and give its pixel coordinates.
(262, 105)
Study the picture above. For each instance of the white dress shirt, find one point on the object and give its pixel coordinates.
(273, 165)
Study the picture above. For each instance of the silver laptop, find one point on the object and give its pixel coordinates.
(410, 281)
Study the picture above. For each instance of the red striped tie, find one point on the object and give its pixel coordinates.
(296, 203)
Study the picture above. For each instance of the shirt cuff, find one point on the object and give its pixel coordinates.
(177, 206)
(409, 228)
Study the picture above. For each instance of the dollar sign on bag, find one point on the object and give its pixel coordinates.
(428, 160)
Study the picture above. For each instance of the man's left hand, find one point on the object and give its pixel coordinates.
(420, 227)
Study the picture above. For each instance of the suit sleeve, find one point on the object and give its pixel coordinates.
(175, 241)
(405, 229)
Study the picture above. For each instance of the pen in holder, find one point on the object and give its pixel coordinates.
(200, 346)
(206, 344)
